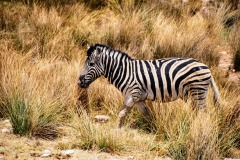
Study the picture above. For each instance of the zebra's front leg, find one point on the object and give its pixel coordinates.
(129, 103)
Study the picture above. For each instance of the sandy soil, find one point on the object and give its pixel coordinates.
(16, 147)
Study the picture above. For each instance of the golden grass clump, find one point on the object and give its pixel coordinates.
(203, 142)
(27, 89)
(93, 136)
(229, 128)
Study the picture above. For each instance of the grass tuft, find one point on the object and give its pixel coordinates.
(18, 111)
(229, 130)
(93, 136)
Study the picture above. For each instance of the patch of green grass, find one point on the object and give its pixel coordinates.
(27, 120)
(19, 111)
(178, 149)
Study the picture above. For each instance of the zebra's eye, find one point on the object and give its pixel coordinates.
(91, 64)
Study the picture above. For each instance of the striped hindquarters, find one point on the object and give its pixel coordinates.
(172, 78)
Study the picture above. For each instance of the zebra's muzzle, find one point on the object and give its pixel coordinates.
(81, 82)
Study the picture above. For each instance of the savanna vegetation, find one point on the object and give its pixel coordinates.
(42, 49)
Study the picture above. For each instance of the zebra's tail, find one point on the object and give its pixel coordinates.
(216, 97)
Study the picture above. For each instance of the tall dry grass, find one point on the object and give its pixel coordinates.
(39, 89)
(42, 48)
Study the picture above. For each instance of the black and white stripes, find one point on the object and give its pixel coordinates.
(163, 79)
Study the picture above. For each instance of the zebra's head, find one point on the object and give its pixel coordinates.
(93, 67)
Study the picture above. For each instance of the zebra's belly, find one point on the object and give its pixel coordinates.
(163, 98)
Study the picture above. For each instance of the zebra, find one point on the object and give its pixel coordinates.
(166, 79)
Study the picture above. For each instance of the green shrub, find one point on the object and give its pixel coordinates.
(19, 111)
(29, 121)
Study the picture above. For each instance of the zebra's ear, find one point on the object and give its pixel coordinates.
(98, 49)
(98, 53)
(88, 46)
(90, 50)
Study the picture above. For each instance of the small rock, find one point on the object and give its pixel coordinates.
(46, 153)
(112, 158)
(234, 77)
(225, 61)
(6, 121)
(5, 130)
(101, 118)
(130, 157)
(67, 152)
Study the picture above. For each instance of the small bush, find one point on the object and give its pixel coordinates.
(33, 108)
(27, 120)
(45, 123)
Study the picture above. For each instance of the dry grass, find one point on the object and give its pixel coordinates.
(235, 39)
(42, 48)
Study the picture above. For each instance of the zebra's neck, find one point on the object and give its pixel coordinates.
(116, 66)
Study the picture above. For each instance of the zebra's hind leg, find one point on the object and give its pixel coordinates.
(125, 110)
(199, 100)
(142, 107)
(147, 112)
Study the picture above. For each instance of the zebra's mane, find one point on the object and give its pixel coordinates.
(92, 48)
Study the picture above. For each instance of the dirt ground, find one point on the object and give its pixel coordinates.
(16, 147)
